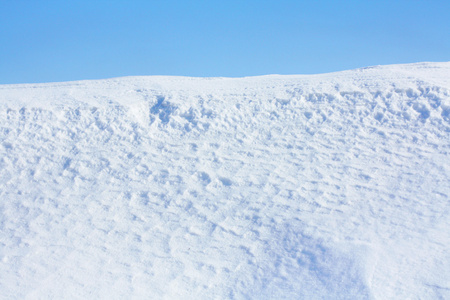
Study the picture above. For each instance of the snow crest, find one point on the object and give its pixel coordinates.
(332, 186)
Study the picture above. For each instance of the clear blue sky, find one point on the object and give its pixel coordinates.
(44, 41)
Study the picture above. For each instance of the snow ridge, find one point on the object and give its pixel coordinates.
(328, 186)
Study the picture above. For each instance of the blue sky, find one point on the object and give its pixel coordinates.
(45, 41)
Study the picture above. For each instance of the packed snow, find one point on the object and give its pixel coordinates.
(330, 186)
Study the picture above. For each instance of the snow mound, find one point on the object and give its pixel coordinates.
(331, 186)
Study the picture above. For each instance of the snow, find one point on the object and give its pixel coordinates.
(330, 186)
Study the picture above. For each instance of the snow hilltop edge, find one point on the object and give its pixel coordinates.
(329, 186)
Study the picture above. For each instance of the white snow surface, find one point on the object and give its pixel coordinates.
(331, 186)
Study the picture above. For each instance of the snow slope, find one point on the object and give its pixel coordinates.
(332, 186)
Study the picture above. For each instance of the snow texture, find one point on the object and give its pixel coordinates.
(331, 186)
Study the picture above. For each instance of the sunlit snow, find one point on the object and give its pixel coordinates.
(332, 186)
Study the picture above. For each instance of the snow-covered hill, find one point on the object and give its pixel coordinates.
(332, 186)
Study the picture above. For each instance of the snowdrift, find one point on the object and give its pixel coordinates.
(331, 186)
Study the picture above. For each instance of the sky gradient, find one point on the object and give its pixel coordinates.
(45, 41)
